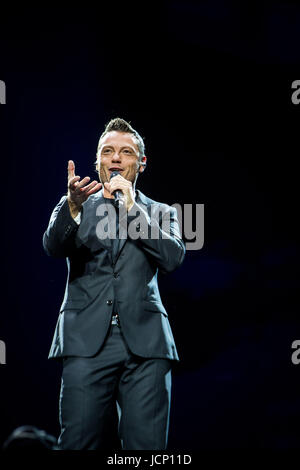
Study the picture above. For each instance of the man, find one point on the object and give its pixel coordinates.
(113, 331)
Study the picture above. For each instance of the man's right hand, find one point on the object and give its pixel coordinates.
(77, 191)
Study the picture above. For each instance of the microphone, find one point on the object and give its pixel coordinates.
(119, 197)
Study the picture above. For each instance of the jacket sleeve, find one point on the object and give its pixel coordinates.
(59, 238)
(158, 235)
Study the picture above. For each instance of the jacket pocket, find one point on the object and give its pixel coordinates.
(76, 304)
(154, 306)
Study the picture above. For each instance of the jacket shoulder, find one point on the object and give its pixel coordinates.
(148, 201)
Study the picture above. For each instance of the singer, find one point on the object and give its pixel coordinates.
(113, 334)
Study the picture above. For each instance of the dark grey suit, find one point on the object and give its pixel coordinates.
(97, 284)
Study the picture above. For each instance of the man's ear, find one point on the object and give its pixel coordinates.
(142, 164)
(97, 163)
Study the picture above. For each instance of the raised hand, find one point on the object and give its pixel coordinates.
(78, 193)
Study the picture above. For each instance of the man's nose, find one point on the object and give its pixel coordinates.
(116, 157)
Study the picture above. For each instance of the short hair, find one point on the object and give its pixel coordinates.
(120, 125)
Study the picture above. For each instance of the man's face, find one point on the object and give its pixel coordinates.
(118, 151)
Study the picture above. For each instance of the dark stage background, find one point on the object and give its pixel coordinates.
(208, 84)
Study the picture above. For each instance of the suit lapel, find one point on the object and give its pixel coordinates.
(88, 226)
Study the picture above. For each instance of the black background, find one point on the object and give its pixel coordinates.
(208, 84)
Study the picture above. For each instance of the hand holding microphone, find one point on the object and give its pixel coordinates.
(121, 189)
(119, 197)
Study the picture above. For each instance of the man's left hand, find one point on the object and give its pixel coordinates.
(118, 182)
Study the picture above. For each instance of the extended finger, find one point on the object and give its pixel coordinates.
(71, 169)
(72, 181)
(94, 189)
(88, 187)
(82, 183)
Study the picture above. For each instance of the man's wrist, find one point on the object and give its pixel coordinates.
(74, 208)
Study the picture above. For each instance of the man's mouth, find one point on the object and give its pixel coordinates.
(115, 168)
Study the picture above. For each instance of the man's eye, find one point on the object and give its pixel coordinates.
(127, 151)
(106, 151)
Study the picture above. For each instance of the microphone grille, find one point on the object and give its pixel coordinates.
(114, 173)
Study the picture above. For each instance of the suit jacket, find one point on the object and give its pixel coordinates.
(96, 282)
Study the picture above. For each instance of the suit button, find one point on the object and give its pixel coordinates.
(116, 275)
(109, 302)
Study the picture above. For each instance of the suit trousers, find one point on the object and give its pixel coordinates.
(115, 399)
